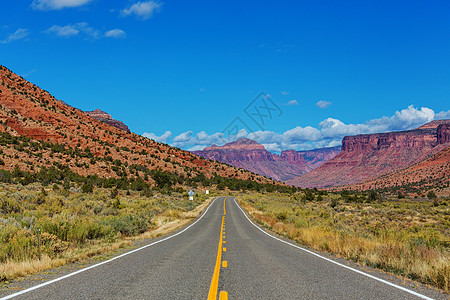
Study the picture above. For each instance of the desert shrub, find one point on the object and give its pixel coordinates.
(281, 216)
(87, 188)
(128, 225)
(372, 197)
(114, 193)
(309, 195)
(8, 205)
(83, 230)
(431, 195)
(52, 245)
(147, 193)
(334, 203)
(16, 243)
(58, 227)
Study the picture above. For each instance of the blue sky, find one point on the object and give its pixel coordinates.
(182, 71)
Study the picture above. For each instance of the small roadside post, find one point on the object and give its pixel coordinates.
(191, 195)
(39, 242)
(207, 192)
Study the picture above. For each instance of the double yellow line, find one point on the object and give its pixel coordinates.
(215, 279)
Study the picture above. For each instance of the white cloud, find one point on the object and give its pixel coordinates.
(323, 104)
(162, 139)
(142, 10)
(284, 93)
(19, 34)
(405, 119)
(292, 103)
(63, 31)
(57, 4)
(301, 134)
(116, 34)
(201, 139)
(442, 115)
(329, 133)
(89, 31)
(73, 30)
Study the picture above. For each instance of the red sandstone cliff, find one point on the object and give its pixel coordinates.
(443, 134)
(106, 118)
(372, 155)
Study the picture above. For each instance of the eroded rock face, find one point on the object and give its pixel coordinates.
(443, 134)
(418, 138)
(106, 118)
(98, 114)
(250, 155)
(318, 157)
(372, 155)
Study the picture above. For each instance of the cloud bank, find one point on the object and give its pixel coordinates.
(329, 132)
(323, 104)
(292, 103)
(84, 29)
(73, 30)
(19, 34)
(115, 34)
(142, 10)
(57, 4)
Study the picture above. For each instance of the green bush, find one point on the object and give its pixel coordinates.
(128, 225)
(431, 195)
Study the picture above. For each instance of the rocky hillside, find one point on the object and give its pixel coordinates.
(106, 118)
(317, 157)
(433, 173)
(250, 155)
(38, 131)
(372, 155)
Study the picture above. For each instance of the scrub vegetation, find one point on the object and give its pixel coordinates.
(403, 236)
(46, 226)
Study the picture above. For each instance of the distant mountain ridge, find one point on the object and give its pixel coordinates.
(250, 155)
(373, 155)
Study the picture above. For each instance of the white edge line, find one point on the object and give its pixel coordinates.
(335, 262)
(106, 261)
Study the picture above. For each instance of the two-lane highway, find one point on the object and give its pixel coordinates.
(222, 254)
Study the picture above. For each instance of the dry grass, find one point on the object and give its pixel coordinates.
(403, 250)
(166, 225)
(14, 269)
(96, 224)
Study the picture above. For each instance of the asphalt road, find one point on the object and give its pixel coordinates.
(185, 265)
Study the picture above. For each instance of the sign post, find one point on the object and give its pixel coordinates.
(191, 195)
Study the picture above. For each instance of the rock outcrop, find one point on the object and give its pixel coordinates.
(106, 118)
(317, 157)
(443, 134)
(372, 155)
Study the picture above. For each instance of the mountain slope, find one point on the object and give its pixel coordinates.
(372, 155)
(431, 173)
(250, 155)
(59, 134)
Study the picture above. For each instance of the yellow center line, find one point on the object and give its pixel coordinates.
(224, 210)
(223, 295)
(215, 279)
